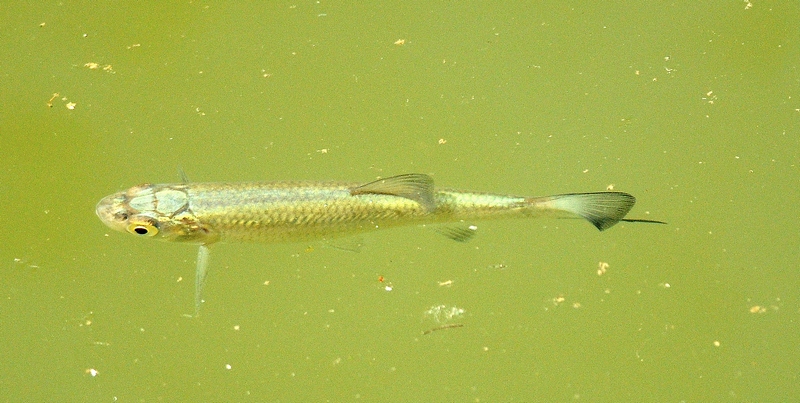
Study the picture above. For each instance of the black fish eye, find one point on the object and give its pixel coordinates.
(143, 227)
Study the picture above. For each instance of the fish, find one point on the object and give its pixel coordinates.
(289, 211)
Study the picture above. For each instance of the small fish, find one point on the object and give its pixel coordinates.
(207, 213)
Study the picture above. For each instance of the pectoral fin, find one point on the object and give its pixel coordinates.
(416, 187)
(203, 254)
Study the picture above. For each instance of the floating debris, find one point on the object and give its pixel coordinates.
(450, 326)
(97, 66)
(443, 313)
(50, 101)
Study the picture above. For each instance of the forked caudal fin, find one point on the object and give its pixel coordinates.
(602, 209)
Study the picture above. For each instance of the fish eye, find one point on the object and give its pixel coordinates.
(143, 228)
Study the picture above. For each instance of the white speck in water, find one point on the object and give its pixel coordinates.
(443, 313)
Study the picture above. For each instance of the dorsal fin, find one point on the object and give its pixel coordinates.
(416, 187)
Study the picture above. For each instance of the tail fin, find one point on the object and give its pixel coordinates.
(602, 209)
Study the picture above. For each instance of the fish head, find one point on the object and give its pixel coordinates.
(154, 211)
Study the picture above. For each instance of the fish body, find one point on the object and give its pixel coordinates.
(207, 213)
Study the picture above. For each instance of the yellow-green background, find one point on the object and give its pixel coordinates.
(692, 107)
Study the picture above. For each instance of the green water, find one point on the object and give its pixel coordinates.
(693, 108)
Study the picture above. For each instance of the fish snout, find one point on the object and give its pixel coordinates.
(112, 212)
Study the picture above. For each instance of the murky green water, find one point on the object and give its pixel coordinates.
(695, 109)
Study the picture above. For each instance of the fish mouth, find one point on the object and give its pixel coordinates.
(112, 212)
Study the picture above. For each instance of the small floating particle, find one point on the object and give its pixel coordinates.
(50, 101)
(442, 313)
(98, 66)
(601, 268)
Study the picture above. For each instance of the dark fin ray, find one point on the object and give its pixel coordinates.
(642, 220)
(458, 233)
(602, 209)
(416, 187)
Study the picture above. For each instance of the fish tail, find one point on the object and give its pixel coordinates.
(602, 209)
